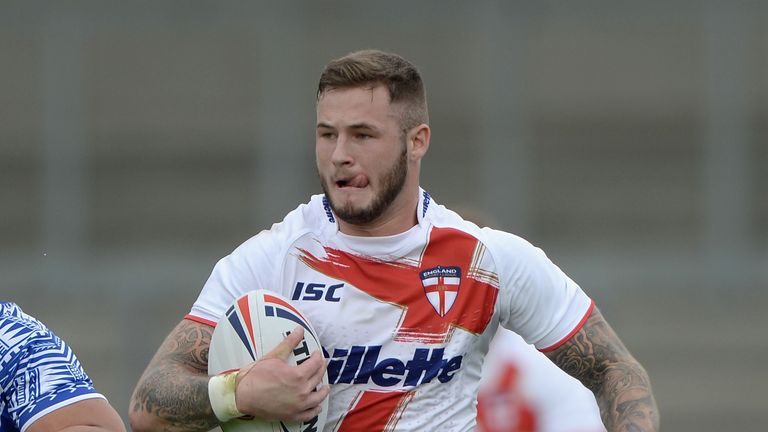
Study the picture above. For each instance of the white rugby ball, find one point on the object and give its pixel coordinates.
(255, 324)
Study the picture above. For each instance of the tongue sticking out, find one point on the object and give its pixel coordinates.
(358, 181)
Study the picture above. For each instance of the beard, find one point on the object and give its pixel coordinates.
(392, 184)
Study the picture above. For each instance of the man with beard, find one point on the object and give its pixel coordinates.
(404, 294)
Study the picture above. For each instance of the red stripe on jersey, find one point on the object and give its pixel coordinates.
(375, 411)
(575, 330)
(399, 283)
(200, 320)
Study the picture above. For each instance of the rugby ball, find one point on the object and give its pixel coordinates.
(255, 324)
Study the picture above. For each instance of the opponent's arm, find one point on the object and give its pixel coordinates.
(596, 356)
(90, 415)
(172, 394)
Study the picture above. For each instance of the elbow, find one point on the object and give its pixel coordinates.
(142, 412)
(141, 425)
(142, 421)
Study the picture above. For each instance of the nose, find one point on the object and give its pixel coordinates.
(341, 152)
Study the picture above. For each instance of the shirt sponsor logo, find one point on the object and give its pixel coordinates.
(425, 204)
(316, 291)
(327, 209)
(362, 365)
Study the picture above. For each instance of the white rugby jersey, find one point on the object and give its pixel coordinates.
(38, 371)
(404, 320)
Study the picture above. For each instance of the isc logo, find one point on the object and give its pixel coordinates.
(316, 291)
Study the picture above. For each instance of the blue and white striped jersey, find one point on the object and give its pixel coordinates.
(39, 373)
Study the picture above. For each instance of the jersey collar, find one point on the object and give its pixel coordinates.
(423, 210)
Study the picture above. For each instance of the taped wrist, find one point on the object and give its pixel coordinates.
(221, 392)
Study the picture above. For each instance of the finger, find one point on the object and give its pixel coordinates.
(284, 349)
(317, 376)
(318, 396)
(309, 366)
(313, 402)
(307, 414)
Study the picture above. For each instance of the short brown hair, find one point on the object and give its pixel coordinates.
(372, 67)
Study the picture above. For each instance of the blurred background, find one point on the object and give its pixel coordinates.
(142, 141)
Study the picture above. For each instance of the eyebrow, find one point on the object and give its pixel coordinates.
(352, 126)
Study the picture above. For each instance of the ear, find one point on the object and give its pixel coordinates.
(418, 141)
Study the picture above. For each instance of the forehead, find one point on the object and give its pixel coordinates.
(355, 105)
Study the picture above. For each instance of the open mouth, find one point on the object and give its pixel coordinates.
(357, 182)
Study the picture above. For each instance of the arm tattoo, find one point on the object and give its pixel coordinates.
(597, 358)
(174, 387)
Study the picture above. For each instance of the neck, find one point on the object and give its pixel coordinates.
(398, 218)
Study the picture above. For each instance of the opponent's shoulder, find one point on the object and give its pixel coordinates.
(26, 342)
(10, 311)
(16, 326)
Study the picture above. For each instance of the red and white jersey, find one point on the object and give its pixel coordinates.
(522, 390)
(405, 320)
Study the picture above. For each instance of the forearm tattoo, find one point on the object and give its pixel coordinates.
(597, 357)
(174, 387)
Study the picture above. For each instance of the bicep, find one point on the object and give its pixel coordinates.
(590, 353)
(186, 346)
(90, 415)
(596, 356)
(174, 388)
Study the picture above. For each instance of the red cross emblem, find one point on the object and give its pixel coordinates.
(441, 285)
(403, 284)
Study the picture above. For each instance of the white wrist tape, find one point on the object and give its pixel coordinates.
(221, 392)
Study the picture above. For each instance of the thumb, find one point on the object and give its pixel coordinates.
(284, 349)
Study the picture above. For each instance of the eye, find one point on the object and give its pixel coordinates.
(363, 136)
(328, 135)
